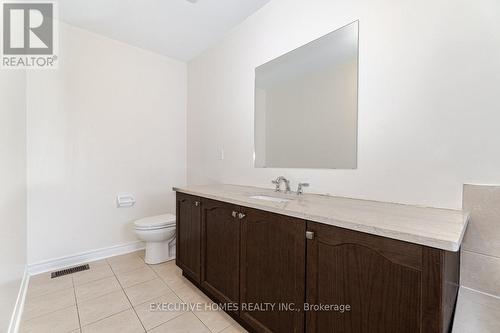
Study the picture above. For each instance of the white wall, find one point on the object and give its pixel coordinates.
(428, 97)
(111, 119)
(12, 189)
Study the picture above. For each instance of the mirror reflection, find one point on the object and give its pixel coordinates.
(306, 105)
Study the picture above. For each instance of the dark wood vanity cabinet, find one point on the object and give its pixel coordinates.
(220, 250)
(252, 257)
(378, 278)
(272, 271)
(188, 234)
(389, 285)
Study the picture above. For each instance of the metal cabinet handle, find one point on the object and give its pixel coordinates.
(241, 216)
(234, 214)
(196, 203)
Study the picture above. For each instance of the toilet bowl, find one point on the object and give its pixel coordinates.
(158, 232)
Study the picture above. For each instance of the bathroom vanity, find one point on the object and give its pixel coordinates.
(313, 263)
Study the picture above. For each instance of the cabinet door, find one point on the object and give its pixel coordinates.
(188, 243)
(220, 250)
(379, 278)
(272, 271)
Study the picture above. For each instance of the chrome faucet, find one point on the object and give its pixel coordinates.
(278, 181)
(300, 188)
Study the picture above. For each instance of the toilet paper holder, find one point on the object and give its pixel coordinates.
(125, 200)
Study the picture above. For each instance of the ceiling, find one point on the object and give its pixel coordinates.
(180, 29)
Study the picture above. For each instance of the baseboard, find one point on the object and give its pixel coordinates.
(15, 319)
(80, 258)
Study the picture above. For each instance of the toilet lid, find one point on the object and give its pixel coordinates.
(155, 222)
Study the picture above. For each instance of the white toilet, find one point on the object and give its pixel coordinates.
(158, 232)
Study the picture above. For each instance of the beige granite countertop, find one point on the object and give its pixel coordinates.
(434, 227)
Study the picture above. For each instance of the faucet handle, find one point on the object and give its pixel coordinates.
(276, 182)
(300, 187)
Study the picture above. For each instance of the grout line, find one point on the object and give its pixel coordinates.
(76, 300)
(111, 315)
(47, 294)
(132, 306)
(168, 286)
(114, 314)
(123, 289)
(114, 274)
(135, 269)
(76, 304)
(136, 284)
(51, 311)
(48, 313)
(201, 321)
(64, 308)
(481, 254)
(93, 281)
(180, 314)
(106, 294)
(481, 292)
(178, 296)
(158, 276)
(184, 302)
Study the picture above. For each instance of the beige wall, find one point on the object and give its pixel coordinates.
(111, 119)
(429, 73)
(12, 189)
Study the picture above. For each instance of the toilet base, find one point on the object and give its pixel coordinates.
(158, 252)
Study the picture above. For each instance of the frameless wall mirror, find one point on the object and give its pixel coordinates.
(306, 105)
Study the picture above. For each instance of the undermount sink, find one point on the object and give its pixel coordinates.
(269, 198)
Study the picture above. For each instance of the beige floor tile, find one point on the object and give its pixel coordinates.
(126, 262)
(46, 277)
(41, 305)
(130, 278)
(97, 264)
(61, 321)
(215, 319)
(96, 288)
(101, 307)
(141, 254)
(176, 282)
(146, 291)
(186, 323)
(43, 284)
(168, 266)
(476, 312)
(123, 322)
(96, 272)
(236, 328)
(160, 310)
(171, 274)
(191, 294)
